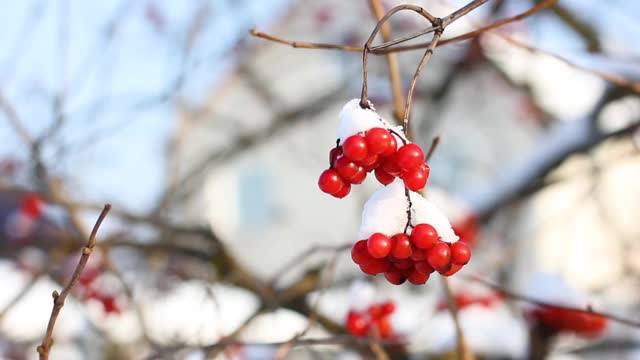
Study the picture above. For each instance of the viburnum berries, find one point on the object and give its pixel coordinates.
(404, 236)
(367, 143)
(557, 320)
(376, 318)
(330, 182)
(394, 256)
(375, 151)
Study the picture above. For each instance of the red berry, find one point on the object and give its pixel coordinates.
(333, 155)
(355, 147)
(356, 324)
(376, 266)
(391, 148)
(439, 257)
(418, 254)
(460, 253)
(401, 247)
(109, 304)
(423, 267)
(330, 182)
(360, 176)
(375, 311)
(415, 179)
(409, 157)
(32, 205)
(467, 229)
(388, 308)
(346, 168)
(564, 320)
(424, 236)
(346, 189)
(452, 270)
(395, 277)
(378, 140)
(402, 264)
(417, 278)
(369, 162)
(379, 245)
(359, 253)
(384, 177)
(390, 166)
(383, 325)
(590, 325)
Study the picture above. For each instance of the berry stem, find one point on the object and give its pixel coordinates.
(423, 62)
(408, 195)
(402, 137)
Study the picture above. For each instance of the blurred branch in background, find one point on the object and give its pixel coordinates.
(156, 247)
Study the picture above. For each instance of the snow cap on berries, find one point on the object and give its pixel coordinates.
(354, 119)
(386, 212)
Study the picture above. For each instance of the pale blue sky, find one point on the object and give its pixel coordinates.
(104, 81)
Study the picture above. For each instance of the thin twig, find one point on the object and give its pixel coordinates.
(59, 298)
(530, 300)
(364, 102)
(463, 351)
(416, 76)
(392, 64)
(434, 145)
(284, 349)
(14, 121)
(474, 33)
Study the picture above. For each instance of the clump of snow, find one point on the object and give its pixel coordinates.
(361, 295)
(386, 212)
(553, 288)
(489, 331)
(279, 325)
(353, 119)
(196, 313)
(455, 208)
(27, 319)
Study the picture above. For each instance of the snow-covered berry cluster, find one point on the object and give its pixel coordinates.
(402, 257)
(367, 143)
(403, 235)
(375, 319)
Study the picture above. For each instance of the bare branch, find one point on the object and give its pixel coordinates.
(392, 63)
(463, 352)
(530, 300)
(14, 121)
(59, 298)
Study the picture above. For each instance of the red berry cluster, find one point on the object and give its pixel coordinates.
(375, 318)
(571, 321)
(464, 300)
(377, 150)
(414, 258)
(32, 205)
(89, 289)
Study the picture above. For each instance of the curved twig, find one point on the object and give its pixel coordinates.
(364, 102)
